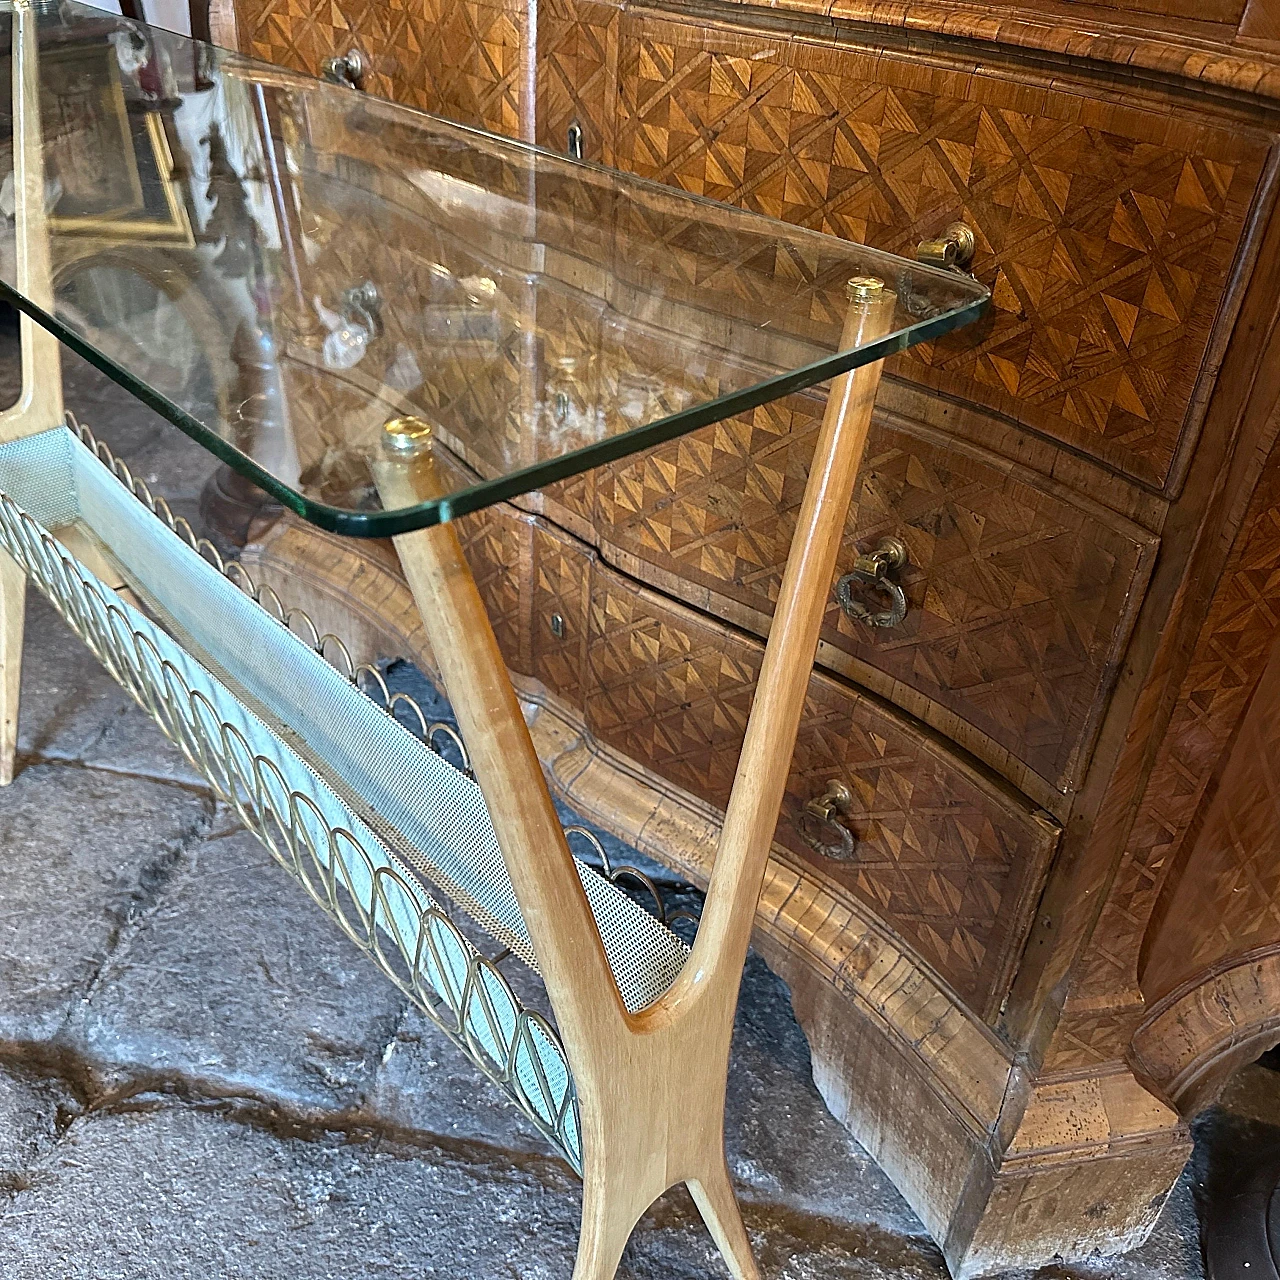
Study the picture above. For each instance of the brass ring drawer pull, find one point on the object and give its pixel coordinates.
(819, 822)
(872, 571)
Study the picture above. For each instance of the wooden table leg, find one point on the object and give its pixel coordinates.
(13, 607)
(651, 1085)
(39, 404)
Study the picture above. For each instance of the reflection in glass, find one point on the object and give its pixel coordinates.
(283, 265)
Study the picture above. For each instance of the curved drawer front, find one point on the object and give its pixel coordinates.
(1106, 228)
(950, 862)
(1021, 595)
(1106, 231)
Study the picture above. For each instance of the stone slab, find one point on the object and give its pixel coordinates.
(131, 742)
(169, 1192)
(67, 699)
(83, 855)
(35, 1108)
(237, 984)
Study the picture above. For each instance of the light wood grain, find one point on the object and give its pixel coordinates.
(354, 591)
(39, 404)
(13, 603)
(651, 1086)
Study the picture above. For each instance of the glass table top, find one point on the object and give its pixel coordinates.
(280, 266)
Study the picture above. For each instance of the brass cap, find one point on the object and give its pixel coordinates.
(406, 437)
(863, 288)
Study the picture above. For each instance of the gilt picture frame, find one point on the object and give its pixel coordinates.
(109, 162)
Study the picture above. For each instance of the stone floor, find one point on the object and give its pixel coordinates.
(200, 1077)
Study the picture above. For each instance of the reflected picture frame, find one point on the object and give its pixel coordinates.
(112, 162)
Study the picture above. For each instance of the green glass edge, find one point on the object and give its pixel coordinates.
(385, 524)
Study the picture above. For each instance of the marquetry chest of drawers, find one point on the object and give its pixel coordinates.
(1028, 825)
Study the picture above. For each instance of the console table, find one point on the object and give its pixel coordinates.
(563, 317)
(1018, 1004)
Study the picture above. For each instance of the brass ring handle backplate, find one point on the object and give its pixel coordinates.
(347, 68)
(871, 571)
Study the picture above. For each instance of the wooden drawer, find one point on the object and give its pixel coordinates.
(561, 609)
(952, 863)
(458, 60)
(1106, 230)
(1021, 593)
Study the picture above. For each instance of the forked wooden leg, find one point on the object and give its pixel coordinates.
(607, 1223)
(13, 609)
(714, 1195)
(650, 1085)
(616, 1194)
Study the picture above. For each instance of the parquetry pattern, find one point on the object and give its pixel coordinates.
(561, 589)
(1230, 655)
(1021, 598)
(578, 74)
(1106, 232)
(950, 864)
(1235, 642)
(1226, 898)
(457, 60)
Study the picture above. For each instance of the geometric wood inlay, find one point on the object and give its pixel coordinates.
(1231, 907)
(1234, 901)
(458, 60)
(950, 863)
(1021, 595)
(1106, 232)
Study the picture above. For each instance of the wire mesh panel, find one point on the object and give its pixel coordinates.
(438, 811)
(307, 828)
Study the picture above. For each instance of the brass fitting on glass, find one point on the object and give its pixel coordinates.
(408, 471)
(864, 289)
(407, 436)
(953, 249)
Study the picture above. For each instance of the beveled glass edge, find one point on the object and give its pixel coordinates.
(386, 524)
